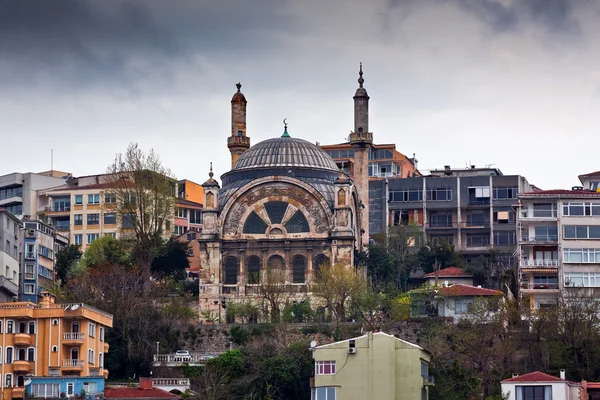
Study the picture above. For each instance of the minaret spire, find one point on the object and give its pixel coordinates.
(238, 142)
(360, 77)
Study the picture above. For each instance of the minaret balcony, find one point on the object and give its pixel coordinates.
(238, 141)
(361, 138)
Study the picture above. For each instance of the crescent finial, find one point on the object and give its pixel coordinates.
(284, 122)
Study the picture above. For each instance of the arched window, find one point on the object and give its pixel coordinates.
(255, 224)
(22, 327)
(297, 223)
(276, 262)
(320, 261)
(298, 268)
(231, 271)
(253, 270)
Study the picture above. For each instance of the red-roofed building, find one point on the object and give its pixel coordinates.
(144, 391)
(540, 386)
(449, 276)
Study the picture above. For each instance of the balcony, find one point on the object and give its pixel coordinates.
(235, 141)
(361, 138)
(56, 211)
(173, 360)
(230, 289)
(95, 371)
(30, 256)
(73, 337)
(23, 339)
(106, 347)
(475, 225)
(428, 381)
(539, 287)
(544, 215)
(538, 263)
(442, 225)
(18, 392)
(72, 365)
(22, 366)
(540, 239)
(479, 201)
(62, 227)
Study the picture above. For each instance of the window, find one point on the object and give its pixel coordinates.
(191, 236)
(101, 360)
(320, 261)
(546, 233)
(78, 239)
(93, 219)
(29, 288)
(78, 199)
(54, 322)
(325, 368)
(8, 380)
(195, 216)
(463, 306)
(504, 215)
(581, 232)
(404, 195)
(92, 329)
(29, 271)
(324, 393)
(534, 392)
(111, 234)
(581, 209)
(46, 252)
(438, 239)
(478, 239)
(70, 388)
(424, 369)
(110, 198)
(505, 192)
(544, 210)
(298, 268)
(182, 212)
(45, 390)
(128, 221)
(110, 219)
(90, 356)
(479, 195)
(505, 238)
(297, 223)
(581, 256)
(254, 270)
(61, 204)
(479, 219)
(91, 237)
(102, 334)
(93, 199)
(90, 387)
(439, 194)
(585, 279)
(9, 355)
(54, 349)
(31, 327)
(231, 271)
(31, 354)
(78, 219)
(9, 326)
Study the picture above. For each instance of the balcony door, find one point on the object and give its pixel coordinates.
(75, 327)
(74, 354)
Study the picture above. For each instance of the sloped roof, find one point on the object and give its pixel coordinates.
(450, 272)
(561, 192)
(467, 290)
(590, 174)
(536, 376)
(137, 393)
(374, 334)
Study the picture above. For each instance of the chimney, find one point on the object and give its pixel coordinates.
(447, 167)
(47, 299)
(563, 374)
(145, 383)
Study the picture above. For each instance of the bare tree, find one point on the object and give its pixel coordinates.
(337, 285)
(274, 291)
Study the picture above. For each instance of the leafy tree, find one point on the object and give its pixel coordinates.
(106, 250)
(172, 259)
(336, 287)
(273, 290)
(66, 259)
(442, 253)
(298, 312)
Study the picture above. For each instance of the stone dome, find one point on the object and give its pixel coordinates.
(285, 152)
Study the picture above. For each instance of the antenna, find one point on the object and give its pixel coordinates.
(51, 161)
(27, 382)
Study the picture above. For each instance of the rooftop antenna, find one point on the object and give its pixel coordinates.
(51, 161)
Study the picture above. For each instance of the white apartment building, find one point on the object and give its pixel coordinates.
(558, 243)
(11, 253)
(19, 191)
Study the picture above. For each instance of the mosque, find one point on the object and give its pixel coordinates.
(284, 205)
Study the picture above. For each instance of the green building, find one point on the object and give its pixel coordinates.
(373, 366)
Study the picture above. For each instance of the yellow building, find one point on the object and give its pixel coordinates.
(373, 366)
(52, 348)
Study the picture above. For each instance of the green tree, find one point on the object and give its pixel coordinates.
(172, 259)
(66, 259)
(441, 253)
(337, 285)
(106, 250)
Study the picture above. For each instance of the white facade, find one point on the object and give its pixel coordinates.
(18, 191)
(11, 249)
(560, 390)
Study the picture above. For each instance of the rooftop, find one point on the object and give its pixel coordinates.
(561, 193)
(137, 393)
(536, 376)
(467, 290)
(450, 272)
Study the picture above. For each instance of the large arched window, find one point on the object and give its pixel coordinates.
(276, 211)
(297, 223)
(253, 270)
(320, 261)
(298, 268)
(231, 271)
(276, 262)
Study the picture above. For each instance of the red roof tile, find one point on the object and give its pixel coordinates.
(593, 385)
(536, 376)
(466, 290)
(449, 272)
(137, 393)
(562, 192)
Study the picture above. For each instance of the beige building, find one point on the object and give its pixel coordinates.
(373, 366)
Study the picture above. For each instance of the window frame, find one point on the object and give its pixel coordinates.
(321, 367)
(94, 199)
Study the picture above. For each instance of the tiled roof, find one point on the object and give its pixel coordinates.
(137, 393)
(590, 174)
(449, 272)
(188, 203)
(466, 290)
(536, 376)
(561, 192)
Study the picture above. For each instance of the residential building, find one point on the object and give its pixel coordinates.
(146, 390)
(51, 348)
(559, 244)
(191, 236)
(591, 181)
(11, 249)
(471, 209)
(540, 386)
(384, 160)
(372, 366)
(41, 243)
(18, 191)
(449, 276)
(188, 215)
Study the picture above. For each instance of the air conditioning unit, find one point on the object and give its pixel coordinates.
(352, 350)
(31, 233)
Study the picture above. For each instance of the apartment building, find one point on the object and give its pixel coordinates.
(51, 348)
(384, 160)
(18, 191)
(41, 243)
(472, 209)
(559, 243)
(373, 366)
(11, 253)
(188, 215)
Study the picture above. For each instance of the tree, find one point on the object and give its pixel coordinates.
(66, 259)
(273, 290)
(172, 259)
(440, 252)
(106, 250)
(337, 285)
(143, 197)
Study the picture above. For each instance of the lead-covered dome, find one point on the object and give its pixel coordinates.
(285, 152)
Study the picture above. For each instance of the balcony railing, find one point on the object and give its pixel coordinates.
(477, 201)
(538, 263)
(475, 224)
(191, 358)
(538, 238)
(527, 214)
(72, 363)
(442, 225)
(539, 286)
(73, 336)
(60, 209)
(30, 256)
(170, 381)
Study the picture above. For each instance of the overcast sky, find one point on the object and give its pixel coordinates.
(511, 83)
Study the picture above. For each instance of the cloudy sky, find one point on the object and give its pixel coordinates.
(511, 83)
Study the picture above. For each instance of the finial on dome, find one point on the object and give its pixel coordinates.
(360, 77)
(285, 132)
(239, 86)
(210, 174)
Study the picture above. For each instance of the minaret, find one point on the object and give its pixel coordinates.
(238, 142)
(361, 140)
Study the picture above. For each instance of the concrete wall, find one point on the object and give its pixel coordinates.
(560, 390)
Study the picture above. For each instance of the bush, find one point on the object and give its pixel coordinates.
(297, 312)
(239, 335)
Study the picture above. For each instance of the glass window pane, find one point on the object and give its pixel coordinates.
(330, 393)
(581, 232)
(569, 232)
(594, 232)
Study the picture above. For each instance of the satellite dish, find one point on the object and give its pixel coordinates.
(313, 344)
(27, 382)
(74, 307)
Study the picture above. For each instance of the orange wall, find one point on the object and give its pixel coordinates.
(194, 192)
